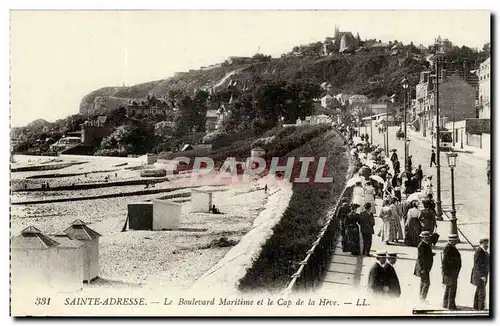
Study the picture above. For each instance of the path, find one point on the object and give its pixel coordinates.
(347, 273)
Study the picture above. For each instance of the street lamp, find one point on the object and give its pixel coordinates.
(452, 163)
(405, 85)
(407, 146)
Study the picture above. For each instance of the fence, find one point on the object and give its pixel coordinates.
(314, 266)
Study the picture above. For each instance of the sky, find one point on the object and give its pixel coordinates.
(57, 57)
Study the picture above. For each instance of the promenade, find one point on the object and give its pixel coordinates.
(347, 272)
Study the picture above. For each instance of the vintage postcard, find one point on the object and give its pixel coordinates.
(250, 163)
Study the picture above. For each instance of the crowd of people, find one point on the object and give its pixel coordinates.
(411, 222)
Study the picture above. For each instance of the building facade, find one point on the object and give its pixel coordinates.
(483, 103)
(456, 100)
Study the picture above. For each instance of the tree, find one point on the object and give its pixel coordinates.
(261, 57)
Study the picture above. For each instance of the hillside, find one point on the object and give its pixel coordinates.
(370, 74)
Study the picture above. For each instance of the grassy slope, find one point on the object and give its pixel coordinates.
(302, 220)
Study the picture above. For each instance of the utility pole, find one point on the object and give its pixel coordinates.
(439, 211)
(387, 129)
(371, 130)
(453, 123)
(405, 87)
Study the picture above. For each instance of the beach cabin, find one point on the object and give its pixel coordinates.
(201, 201)
(33, 258)
(140, 216)
(166, 215)
(68, 263)
(90, 239)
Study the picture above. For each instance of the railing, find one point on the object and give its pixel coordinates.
(313, 267)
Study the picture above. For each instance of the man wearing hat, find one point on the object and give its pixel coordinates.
(392, 281)
(451, 263)
(344, 211)
(376, 278)
(424, 262)
(366, 223)
(480, 273)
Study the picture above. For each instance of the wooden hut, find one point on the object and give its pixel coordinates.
(90, 239)
(68, 263)
(33, 255)
(201, 201)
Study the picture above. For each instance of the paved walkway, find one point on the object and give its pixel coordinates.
(348, 273)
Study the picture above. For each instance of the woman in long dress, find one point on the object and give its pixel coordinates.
(352, 231)
(412, 226)
(388, 229)
(388, 190)
(396, 219)
(370, 197)
(429, 187)
(358, 195)
(427, 218)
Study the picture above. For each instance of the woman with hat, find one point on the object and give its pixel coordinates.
(396, 218)
(412, 225)
(369, 196)
(388, 232)
(427, 218)
(358, 194)
(352, 230)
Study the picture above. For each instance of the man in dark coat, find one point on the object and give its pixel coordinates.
(392, 281)
(344, 211)
(396, 166)
(366, 223)
(432, 203)
(376, 278)
(419, 174)
(480, 273)
(451, 263)
(433, 158)
(410, 164)
(394, 157)
(424, 262)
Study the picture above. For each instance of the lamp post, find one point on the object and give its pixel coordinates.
(452, 163)
(405, 85)
(407, 146)
(462, 138)
(371, 130)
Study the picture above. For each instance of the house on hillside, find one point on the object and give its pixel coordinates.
(396, 49)
(238, 60)
(327, 100)
(343, 98)
(65, 143)
(380, 47)
(442, 45)
(150, 107)
(211, 120)
(358, 99)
